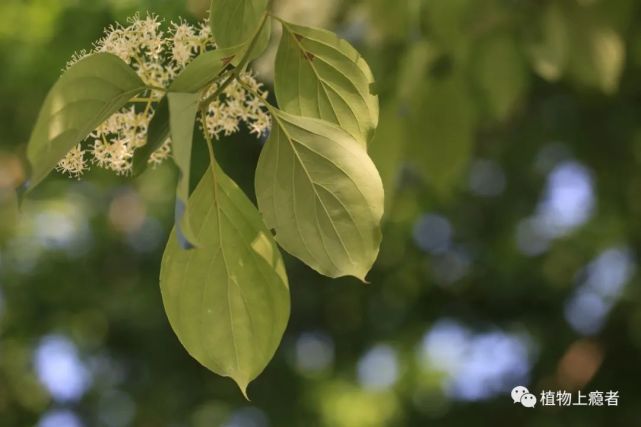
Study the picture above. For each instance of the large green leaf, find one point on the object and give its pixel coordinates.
(228, 300)
(183, 108)
(235, 22)
(321, 193)
(320, 75)
(86, 95)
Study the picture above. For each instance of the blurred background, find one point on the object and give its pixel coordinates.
(510, 148)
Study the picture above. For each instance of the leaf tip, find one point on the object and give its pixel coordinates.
(242, 385)
(363, 280)
(360, 275)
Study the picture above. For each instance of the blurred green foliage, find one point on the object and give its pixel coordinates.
(510, 149)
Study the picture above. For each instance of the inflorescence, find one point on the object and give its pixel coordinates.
(158, 56)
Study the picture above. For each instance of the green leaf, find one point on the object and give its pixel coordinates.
(395, 23)
(183, 108)
(501, 74)
(576, 40)
(392, 138)
(598, 56)
(206, 68)
(414, 67)
(9, 214)
(228, 300)
(388, 148)
(443, 127)
(236, 22)
(550, 51)
(183, 96)
(451, 23)
(322, 194)
(320, 75)
(86, 95)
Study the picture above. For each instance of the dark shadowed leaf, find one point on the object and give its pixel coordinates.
(502, 77)
(388, 148)
(442, 129)
(157, 135)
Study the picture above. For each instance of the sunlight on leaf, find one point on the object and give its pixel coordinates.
(322, 76)
(86, 95)
(317, 187)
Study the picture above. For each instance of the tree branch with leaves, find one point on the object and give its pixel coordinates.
(138, 97)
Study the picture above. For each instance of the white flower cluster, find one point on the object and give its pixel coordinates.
(155, 54)
(158, 56)
(237, 105)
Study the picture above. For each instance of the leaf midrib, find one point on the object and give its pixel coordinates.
(252, 254)
(222, 251)
(291, 141)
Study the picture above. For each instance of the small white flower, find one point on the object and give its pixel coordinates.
(74, 163)
(161, 154)
(184, 42)
(237, 105)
